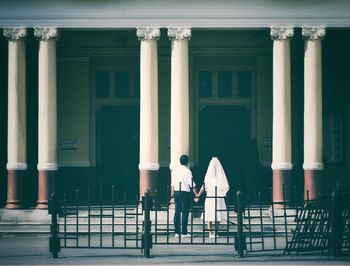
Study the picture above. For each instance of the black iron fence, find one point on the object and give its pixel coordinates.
(251, 226)
(79, 223)
(323, 225)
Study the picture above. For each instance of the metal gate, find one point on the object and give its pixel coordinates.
(102, 224)
(252, 226)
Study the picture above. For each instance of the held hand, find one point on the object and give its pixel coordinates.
(196, 199)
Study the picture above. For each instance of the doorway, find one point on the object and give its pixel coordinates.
(225, 132)
(117, 139)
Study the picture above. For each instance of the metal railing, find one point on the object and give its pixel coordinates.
(251, 226)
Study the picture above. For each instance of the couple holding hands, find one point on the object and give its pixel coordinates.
(215, 185)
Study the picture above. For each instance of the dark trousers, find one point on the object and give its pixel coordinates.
(182, 208)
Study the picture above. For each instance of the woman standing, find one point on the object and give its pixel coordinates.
(216, 186)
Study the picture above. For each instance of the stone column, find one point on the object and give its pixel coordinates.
(16, 137)
(179, 125)
(149, 163)
(313, 162)
(47, 131)
(281, 143)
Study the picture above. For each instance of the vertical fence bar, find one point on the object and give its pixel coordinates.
(89, 217)
(335, 243)
(216, 212)
(101, 214)
(261, 222)
(180, 189)
(54, 240)
(156, 201)
(249, 224)
(285, 214)
(240, 236)
(167, 213)
(124, 218)
(137, 221)
(273, 221)
(77, 217)
(147, 224)
(227, 223)
(65, 218)
(203, 220)
(191, 211)
(113, 216)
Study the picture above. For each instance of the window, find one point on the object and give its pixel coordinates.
(117, 84)
(205, 84)
(244, 84)
(122, 84)
(224, 84)
(102, 84)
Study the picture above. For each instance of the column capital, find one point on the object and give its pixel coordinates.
(46, 33)
(281, 33)
(179, 33)
(313, 33)
(148, 33)
(14, 34)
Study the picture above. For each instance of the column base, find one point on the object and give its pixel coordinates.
(149, 181)
(312, 184)
(47, 185)
(282, 186)
(16, 189)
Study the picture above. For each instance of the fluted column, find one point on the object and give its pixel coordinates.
(313, 162)
(281, 143)
(16, 136)
(179, 125)
(47, 131)
(149, 163)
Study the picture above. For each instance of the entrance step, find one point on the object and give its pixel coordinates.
(31, 221)
(34, 221)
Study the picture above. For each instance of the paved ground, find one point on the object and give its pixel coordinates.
(33, 250)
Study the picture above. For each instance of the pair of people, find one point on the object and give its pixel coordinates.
(215, 184)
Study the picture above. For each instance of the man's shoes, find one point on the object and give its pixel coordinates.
(186, 236)
(177, 235)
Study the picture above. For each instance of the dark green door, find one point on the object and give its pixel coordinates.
(118, 150)
(224, 131)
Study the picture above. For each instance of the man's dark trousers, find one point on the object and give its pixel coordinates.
(182, 206)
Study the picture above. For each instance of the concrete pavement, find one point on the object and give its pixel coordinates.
(33, 250)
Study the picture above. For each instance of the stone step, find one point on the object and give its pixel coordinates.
(38, 221)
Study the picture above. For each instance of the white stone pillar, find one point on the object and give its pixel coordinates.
(16, 137)
(149, 163)
(313, 162)
(179, 128)
(47, 131)
(281, 143)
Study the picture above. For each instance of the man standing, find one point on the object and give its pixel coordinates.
(181, 186)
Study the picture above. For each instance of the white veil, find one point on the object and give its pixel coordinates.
(216, 176)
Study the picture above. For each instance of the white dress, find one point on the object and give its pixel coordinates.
(215, 208)
(209, 206)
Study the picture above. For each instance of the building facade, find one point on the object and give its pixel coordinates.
(113, 92)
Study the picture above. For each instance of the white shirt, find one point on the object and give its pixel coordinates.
(181, 174)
